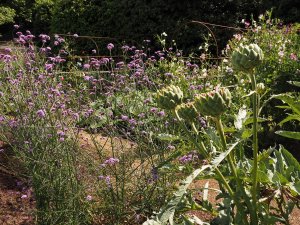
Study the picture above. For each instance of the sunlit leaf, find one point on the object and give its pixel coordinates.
(168, 137)
(294, 104)
(296, 83)
(289, 134)
(166, 213)
(240, 118)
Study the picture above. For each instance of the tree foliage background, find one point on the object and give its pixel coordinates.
(139, 19)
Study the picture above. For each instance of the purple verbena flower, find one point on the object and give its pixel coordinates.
(124, 118)
(89, 198)
(41, 113)
(110, 46)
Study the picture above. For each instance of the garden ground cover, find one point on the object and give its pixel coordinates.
(16, 209)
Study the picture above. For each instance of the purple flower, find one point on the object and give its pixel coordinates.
(161, 113)
(188, 158)
(169, 75)
(89, 198)
(86, 66)
(24, 196)
(147, 101)
(141, 115)
(8, 50)
(281, 54)
(107, 180)
(124, 118)
(49, 66)
(61, 134)
(44, 38)
(87, 78)
(111, 161)
(153, 110)
(16, 26)
(154, 173)
(125, 48)
(293, 56)
(41, 113)
(110, 46)
(132, 122)
(171, 147)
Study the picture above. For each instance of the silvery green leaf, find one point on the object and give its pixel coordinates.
(217, 160)
(293, 103)
(240, 118)
(205, 191)
(167, 212)
(289, 134)
(168, 137)
(296, 83)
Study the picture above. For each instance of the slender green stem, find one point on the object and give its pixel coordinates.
(194, 128)
(201, 147)
(233, 168)
(224, 144)
(255, 144)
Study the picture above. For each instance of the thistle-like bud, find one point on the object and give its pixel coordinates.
(213, 103)
(260, 87)
(169, 97)
(187, 111)
(245, 58)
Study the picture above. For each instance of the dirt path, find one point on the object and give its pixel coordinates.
(16, 202)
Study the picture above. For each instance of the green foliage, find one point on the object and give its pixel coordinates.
(294, 106)
(6, 15)
(31, 14)
(139, 20)
(23, 9)
(280, 45)
(240, 178)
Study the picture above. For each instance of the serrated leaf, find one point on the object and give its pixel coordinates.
(279, 178)
(240, 118)
(250, 120)
(294, 104)
(289, 118)
(246, 133)
(290, 159)
(194, 220)
(218, 159)
(166, 213)
(229, 130)
(262, 176)
(168, 137)
(296, 83)
(289, 134)
(295, 187)
(212, 135)
(151, 222)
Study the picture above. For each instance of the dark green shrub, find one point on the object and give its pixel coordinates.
(142, 19)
